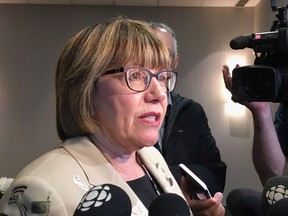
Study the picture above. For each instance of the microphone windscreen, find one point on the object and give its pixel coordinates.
(276, 188)
(169, 204)
(239, 42)
(243, 202)
(280, 208)
(104, 200)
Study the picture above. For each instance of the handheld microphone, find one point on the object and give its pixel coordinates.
(105, 200)
(280, 208)
(243, 202)
(275, 189)
(169, 204)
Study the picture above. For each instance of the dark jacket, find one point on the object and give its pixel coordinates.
(281, 119)
(187, 139)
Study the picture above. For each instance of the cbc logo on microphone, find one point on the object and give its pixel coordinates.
(276, 193)
(95, 197)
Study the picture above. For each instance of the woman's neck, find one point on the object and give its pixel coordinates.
(124, 162)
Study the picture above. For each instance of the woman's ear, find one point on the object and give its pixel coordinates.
(176, 60)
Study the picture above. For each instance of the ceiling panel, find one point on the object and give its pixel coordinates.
(13, 1)
(176, 3)
(92, 2)
(219, 3)
(136, 2)
(181, 3)
(48, 1)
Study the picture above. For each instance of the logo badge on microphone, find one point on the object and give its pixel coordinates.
(105, 199)
(276, 193)
(95, 198)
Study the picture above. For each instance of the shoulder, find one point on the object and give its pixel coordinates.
(48, 162)
(179, 99)
(31, 195)
(55, 178)
(180, 102)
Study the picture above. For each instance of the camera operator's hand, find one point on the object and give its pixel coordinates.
(227, 77)
(254, 107)
(203, 207)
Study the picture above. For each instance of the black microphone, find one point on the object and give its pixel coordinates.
(104, 200)
(280, 208)
(244, 202)
(275, 189)
(262, 42)
(169, 204)
(241, 42)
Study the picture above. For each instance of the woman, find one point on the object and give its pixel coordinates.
(111, 85)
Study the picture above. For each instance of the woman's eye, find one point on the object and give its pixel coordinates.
(136, 76)
(163, 78)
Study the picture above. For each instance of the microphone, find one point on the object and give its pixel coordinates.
(280, 208)
(105, 200)
(243, 202)
(241, 42)
(262, 42)
(169, 204)
(275, 189)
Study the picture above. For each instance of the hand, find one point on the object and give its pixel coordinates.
(254, 107)
(203, 207)
(227, 77)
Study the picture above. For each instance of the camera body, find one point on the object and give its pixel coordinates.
(267, 79)
(260, 83)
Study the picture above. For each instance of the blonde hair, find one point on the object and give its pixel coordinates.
(91, 52)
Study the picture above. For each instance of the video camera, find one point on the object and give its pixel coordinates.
(267, 79)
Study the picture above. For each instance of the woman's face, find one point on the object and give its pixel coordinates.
(127, 118)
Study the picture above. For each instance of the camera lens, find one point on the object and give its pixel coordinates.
(259, 83)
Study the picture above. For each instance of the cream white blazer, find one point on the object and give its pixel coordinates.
(56, 181)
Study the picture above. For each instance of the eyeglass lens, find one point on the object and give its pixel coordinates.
(138, 79)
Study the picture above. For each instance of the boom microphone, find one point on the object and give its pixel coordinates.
(275, 189)
(241, 42)
(169, 204)
(104, 200)
(244, 202)
(274, 41)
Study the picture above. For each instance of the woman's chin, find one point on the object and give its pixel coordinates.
(150, 142)
(147, 139)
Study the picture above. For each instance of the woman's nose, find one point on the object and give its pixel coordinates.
(156, 90)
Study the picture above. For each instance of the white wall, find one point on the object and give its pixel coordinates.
(31, 40)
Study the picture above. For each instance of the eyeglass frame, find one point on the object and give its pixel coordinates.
(150, 76)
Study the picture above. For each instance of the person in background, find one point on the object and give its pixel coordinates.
(112, 81)
(185, 136)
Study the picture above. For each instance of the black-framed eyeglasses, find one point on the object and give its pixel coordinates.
(138, 78)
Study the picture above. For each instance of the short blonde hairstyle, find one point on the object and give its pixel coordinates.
(88, 55)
